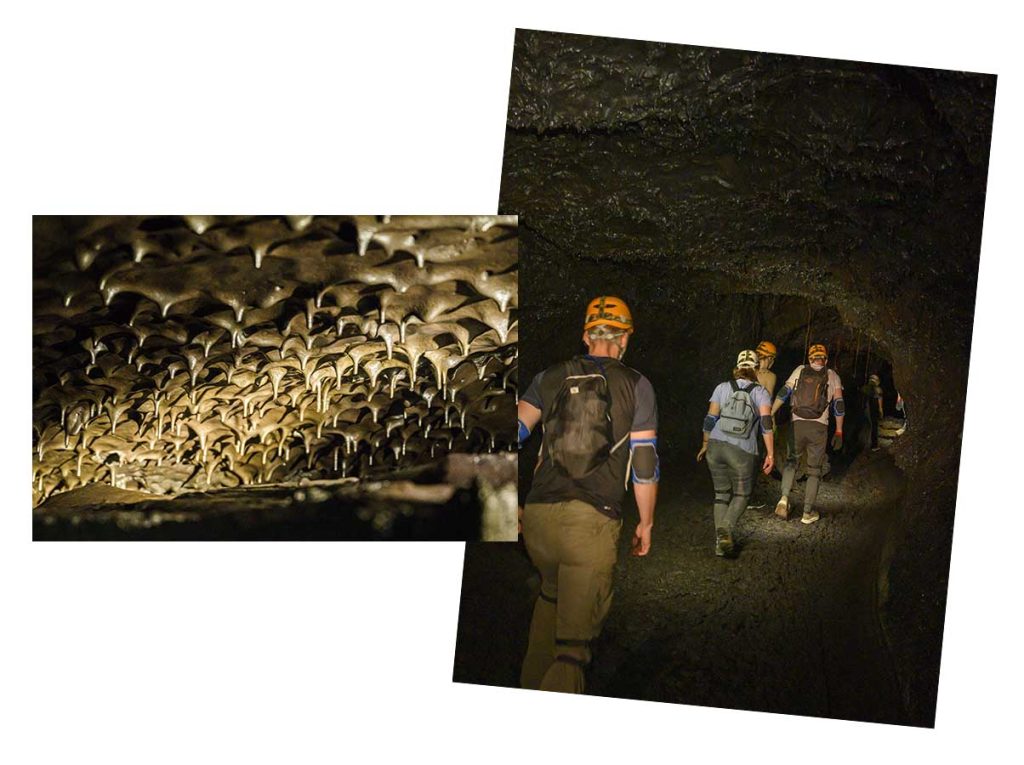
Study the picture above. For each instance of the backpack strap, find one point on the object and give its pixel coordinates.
(735, 385)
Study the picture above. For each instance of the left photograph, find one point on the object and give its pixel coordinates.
(304, 377)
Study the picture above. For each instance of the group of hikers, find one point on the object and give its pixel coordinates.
(600, 421)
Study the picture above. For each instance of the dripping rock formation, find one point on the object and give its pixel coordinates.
(210, 355)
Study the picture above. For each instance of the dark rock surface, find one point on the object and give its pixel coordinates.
(450, 500)
(730, 197)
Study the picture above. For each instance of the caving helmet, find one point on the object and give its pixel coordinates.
(608, 311)
(875, 379)
(766, 349)
(817, 351)
(747, 360)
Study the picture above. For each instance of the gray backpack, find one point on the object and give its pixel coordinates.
(739, 413)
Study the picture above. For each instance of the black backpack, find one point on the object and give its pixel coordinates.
(578, 434)
(810, 399)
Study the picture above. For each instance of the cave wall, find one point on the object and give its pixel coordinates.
(657, 172)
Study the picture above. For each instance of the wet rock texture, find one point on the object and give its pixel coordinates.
(728, 195)
(184, 353)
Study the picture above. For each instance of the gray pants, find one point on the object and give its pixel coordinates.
(809, 437)
(731, 471)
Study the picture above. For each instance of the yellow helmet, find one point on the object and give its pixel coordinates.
(817, 350)
(766, 349)
(608, 311)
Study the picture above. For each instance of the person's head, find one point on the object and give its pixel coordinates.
(746, 366)
(875, 379)
(766, 353)
(817, 356)
(607, 327)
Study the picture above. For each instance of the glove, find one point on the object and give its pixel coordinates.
(837, 442)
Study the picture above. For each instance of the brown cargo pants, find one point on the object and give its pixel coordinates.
(574, 547)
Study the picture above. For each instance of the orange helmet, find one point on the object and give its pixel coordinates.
(766, 349)
(817, 350)
(608, 311)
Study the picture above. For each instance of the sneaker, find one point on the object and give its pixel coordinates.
(782, 509)
(810, 516)
(723, 543)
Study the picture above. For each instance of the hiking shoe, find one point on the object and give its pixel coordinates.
(782, 509)
(723, 543)
(810, 516)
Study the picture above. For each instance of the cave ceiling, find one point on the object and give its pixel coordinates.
(205, 351)
(792, 174)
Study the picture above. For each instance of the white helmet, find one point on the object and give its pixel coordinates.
(747, 360)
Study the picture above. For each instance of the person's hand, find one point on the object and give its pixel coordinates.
(837, 442)
(769, 463)
(641, 540)
(702, 452)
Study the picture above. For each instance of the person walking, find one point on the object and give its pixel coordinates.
(599, 420)
(812, 390)
(872, 392)
(766, 353)
(738, 411)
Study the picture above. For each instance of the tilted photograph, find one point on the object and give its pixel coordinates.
(232, 377)
(747, 305)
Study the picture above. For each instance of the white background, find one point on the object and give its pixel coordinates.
(153, 653)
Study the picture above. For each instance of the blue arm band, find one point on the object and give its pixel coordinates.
(524, 432)
(784, 394)
(645, 467)
(838, 407)
(709, 422)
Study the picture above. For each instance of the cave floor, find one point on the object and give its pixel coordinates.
(789, 626)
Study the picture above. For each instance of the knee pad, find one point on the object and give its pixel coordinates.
(839, 407)
(643, 458)
(814, 471)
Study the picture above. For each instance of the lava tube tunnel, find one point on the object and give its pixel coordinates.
(729, 198)
(240, 377)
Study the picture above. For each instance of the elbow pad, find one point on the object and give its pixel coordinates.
(709, 422)
(524, 432)
(766, 423)
(839, 407)
(784, 394)
(643, 457)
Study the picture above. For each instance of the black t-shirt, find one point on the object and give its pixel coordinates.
(634, 408)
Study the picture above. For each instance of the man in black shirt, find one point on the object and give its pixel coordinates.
(600, 421)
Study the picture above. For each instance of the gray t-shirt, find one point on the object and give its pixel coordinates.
(760, 398)
(645, 410)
